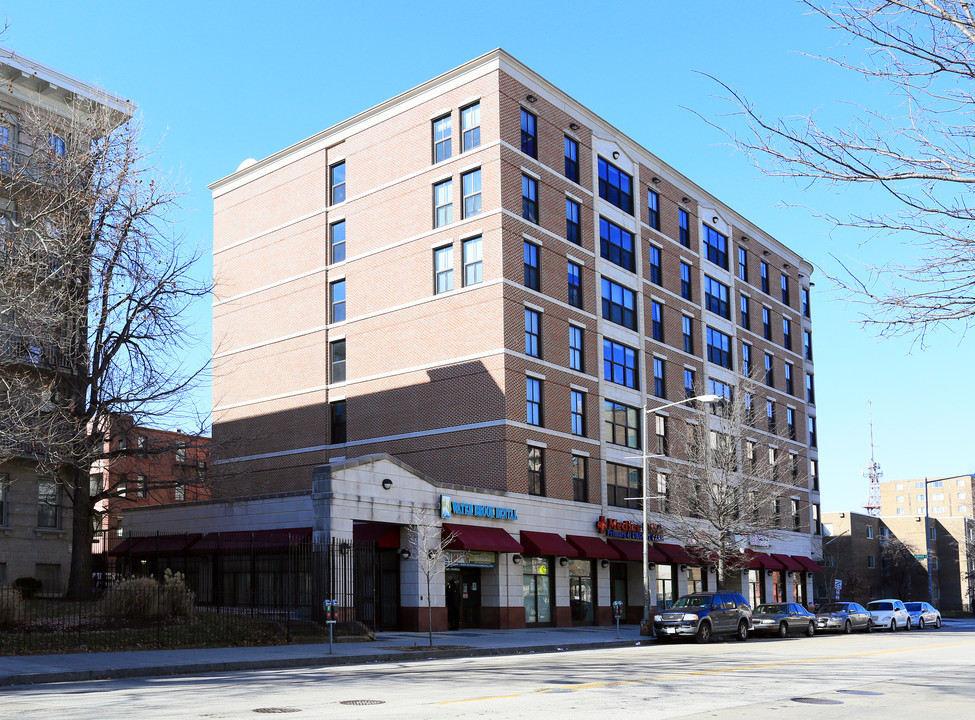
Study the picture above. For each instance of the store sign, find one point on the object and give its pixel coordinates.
(627, 529)
(759, 541)
(448, 508)
(469, 558)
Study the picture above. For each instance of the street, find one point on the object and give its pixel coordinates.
(889, 675)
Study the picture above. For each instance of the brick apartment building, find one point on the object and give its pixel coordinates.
(947, 497)
(486, 281)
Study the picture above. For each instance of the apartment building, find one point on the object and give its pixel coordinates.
(944, 497)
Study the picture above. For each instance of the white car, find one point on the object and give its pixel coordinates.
(889, 614)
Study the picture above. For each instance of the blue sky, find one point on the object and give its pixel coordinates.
(218, 82)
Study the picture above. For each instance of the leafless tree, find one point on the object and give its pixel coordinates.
(428, 546)
(94, 293)
(899, 566)
(922, 157)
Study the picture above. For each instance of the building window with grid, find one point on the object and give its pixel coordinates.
(653, 209)
(616, 244)
(660, 423)
(750, 458)
(663, 493)
(441, 139)
(580, 479)
(657, 320)
(773, 463)
(785, 289)
(336, 361)
(810, 389)
(763, 271)
(337, 232)
(336, 412)
(814, 474)
(659, 382)
(338, 300)
(443, 205)
(529, 199)
(716, 297)
(619, 364)
(622, 424)
(687, 329)
(573, 228)
(716, 247)
(746, 359)
(533, 277)
(743, 264)
(577, 400)
(770, 415)
(576, 355)
(689, 384)
(804, 296)
(533, 333)
(141, 485)
(797, 518)
(622, 482)
(48, 504)
(749, 408)
(473, 251)
(656, 276)
(529, 137)
(536, 471)
(533, 389)
(794, 467)
(719, 348)
(337, 183)
(575, 284)
(812, 431)
(684, 227)
(789, 387)
(744, 320)
(769, 371)
(615, 186)
(443, 263)
(471, 186)
(766, 323)
(571, 159)
(686, 289)
(470, 126)
(807, 344)
(786, 334)
(619, 304)
(790, 423)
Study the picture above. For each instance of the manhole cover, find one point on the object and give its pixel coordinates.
(276, 710)
(859, 692)
(817, 701)
(362, 702)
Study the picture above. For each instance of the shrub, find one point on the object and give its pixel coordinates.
(28, 586)
(11, 605)
(136, 598)
(177, 599)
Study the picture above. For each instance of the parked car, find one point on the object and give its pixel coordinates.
(923, 614)
(783, 619)
(704, 615)
(844, 616)
(889, 614)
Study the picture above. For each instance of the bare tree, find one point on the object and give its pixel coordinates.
(922, 158)
(899, 565)
(94, 293)
(428, 546)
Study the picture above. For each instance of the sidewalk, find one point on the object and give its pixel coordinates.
(388, 647)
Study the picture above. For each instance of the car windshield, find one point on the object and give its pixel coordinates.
(832, 608)
(914, 607)
(772, 609)
(692, 601)
(880, 606)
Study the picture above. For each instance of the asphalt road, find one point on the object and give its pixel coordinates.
(883, 675)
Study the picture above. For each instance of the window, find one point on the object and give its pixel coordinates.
(338, 300)
(622, 482)
(749, 408)
(443, 204)
(573, 229)
(766, 323)
(689, 384)
(336, 411)
(471, 185)
(655, 273)
(810, 389)
(743, 264)
(660, 428)
(529, 199)
(619, 364)
(571, 159)
(750, 457)
(804, 298)
(763, 271)
(536, 471)
(473, 261)
(716, 247)
(622, 424)
(140, 443)
(769, 371)
(443, 260)
(338, 241)
(470, 126)
(575, 284)
(615, 186)
(336, 361)
(653, 209)
(57, 145)
(659, 383)
(337, 182)
(619, 304)
(899, 498)
(577, 399)
(796, 517)
(580, 479)
(529, 136)
(575, 348)
(785, 289)
(746, 359)
(794, 467)
(441, 139)
(616, 244)
(807, 344)
(685, 281)
(773, 463)
(871, 561)
(786, 334)
(719, 348)
(684, 227)
(788, 379)
(5, 490)
(770, 415)
(716, 297)
(533, 333)
(533, 389)
(6, 145)
(790, 422)
(141, 484)
(687, 328)
(179, 492)
(657, 320)
(812, 431)
(532, 273)
(48, 504)
(744, 320)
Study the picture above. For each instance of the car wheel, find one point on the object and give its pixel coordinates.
(848, 627)
(703, 633)
(811, 630)
(893, 625)
(937, 623)
(742, 634)
(783, 630)
(920, 624)
(869, 626)
(908, 626)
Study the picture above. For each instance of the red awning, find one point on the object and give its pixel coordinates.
(808, 563)
(632, 551)
(243, 540)
(787, 560)
(475, 537)
(126, 546)
(384, 535)
(762, 561)
(676, 554)
(591, 547)
(542, 543)
(155, 544)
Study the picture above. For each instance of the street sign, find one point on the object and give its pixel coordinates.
(920, 557)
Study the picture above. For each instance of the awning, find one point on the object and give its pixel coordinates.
(787, 560)
(155, 544)
(384, 535)
(475, 537)
(542, 543)
(633, 552)
(591, 547)
(126, 546)
(676, 554)
(243, 540)
(762, 561)
(808, 563)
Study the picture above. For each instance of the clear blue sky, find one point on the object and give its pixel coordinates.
(218, 82)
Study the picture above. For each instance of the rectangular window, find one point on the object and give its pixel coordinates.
(719, 348)
(749, 408)
(686, 290)
(743, 264)
(763, 271)
(578, 412)
(473, 261)
(770, 415)
(529, 136)
(659, 382)
(769, 371)
(750, 457)
(48, 504)
(616, 244)
(533, 277)
(810, 389)
(807, 344)
(470, 125)
(653, 209)
(338, 300)
(338, 241)
(622, 482)
(533, 390)
(575, 284)
(533, 333)
(337, 421)
(529, 199)
(766, 323)
(786, 334)
(443, 203)
(657, 320)
(619, 364)
(687, 328)
(573, 229)
(441, 139)
(471, 185)
(773, 463)
(655, 271)
(536, 471)
(660, 428)
(684, 227)
(615, 186)
(689, 384)
(744, 320)
(336, 361)
(746, 359)
(571, 159)
(443, 261)
(804, 295)
(812, 431)
(788, 379)
(794, 467)
(575, 348)
(622, 424)
(785, 289)
(716, 247)
(580, 479)
(141, 485)
(790, 422)
(716, 297)
(179, 492)
(619, 304)
(337, 182)
(6, 146)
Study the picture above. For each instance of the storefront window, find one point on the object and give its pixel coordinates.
(665, 586)
(755, 587)
(582, 598)
(778, 586)
(538, 590)
(799, 588)
(697, 579)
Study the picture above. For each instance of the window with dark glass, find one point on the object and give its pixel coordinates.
(743, 264)
(812, 431)
(770, 415)
(473, 261)
(616, 244)
(689, 384)
(653, 209)
(529, 137)
(336, 361)
(794, 467)
(533, 278)
(788, 379)
(337, 182)
(441, 139)
(622, 424)
(719, 348)
(470, 123)
(745, 319)
(615, 186)
(471, 185)
(622, 482)
(796, 517)
(716, 247)
(766, 323)
(48, 504)
(685, 281)
(763, 271)
(533, 410)
(571, 159)
(338, 241)
(660, 428)
(656, 277)
(786, 334)
(443, 204)
(746, 359)
(536, 471)
(804, 294)
(807, 344)
(577, 399)
(338, 300)
(810, 389)
(790, 422)
(533, 333)
(716, 297)
(659, 382)
(576, 357)
(575, 284)
(529, 199)
(687, 328)
(785, 289)
(573, 228)
(580, 479)
(336, 413)
(814, 474)
(684, 227)
(619, 304)
(657, 320)
(769, 371)
(619, 364)
(443, 269)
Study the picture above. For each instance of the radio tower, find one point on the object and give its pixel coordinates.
(873, 473)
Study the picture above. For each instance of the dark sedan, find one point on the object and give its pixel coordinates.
(844, 616)
(783, 619)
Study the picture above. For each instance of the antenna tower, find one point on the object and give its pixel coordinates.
(873, 473)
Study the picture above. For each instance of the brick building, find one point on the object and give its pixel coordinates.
(947, 497)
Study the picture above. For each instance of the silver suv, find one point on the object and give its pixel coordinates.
(704, 615)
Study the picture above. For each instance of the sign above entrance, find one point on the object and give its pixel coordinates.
(469, 558)
(449, 508)
(628, 530)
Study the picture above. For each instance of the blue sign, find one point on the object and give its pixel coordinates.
(448, 507)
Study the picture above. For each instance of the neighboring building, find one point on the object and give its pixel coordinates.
(35, 516)
(947, 497)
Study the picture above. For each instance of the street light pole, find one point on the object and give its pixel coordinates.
(927, 540)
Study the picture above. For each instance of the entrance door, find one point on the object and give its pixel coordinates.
(537, 583)
(617, 583)
(463, 598)
(581, 594)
